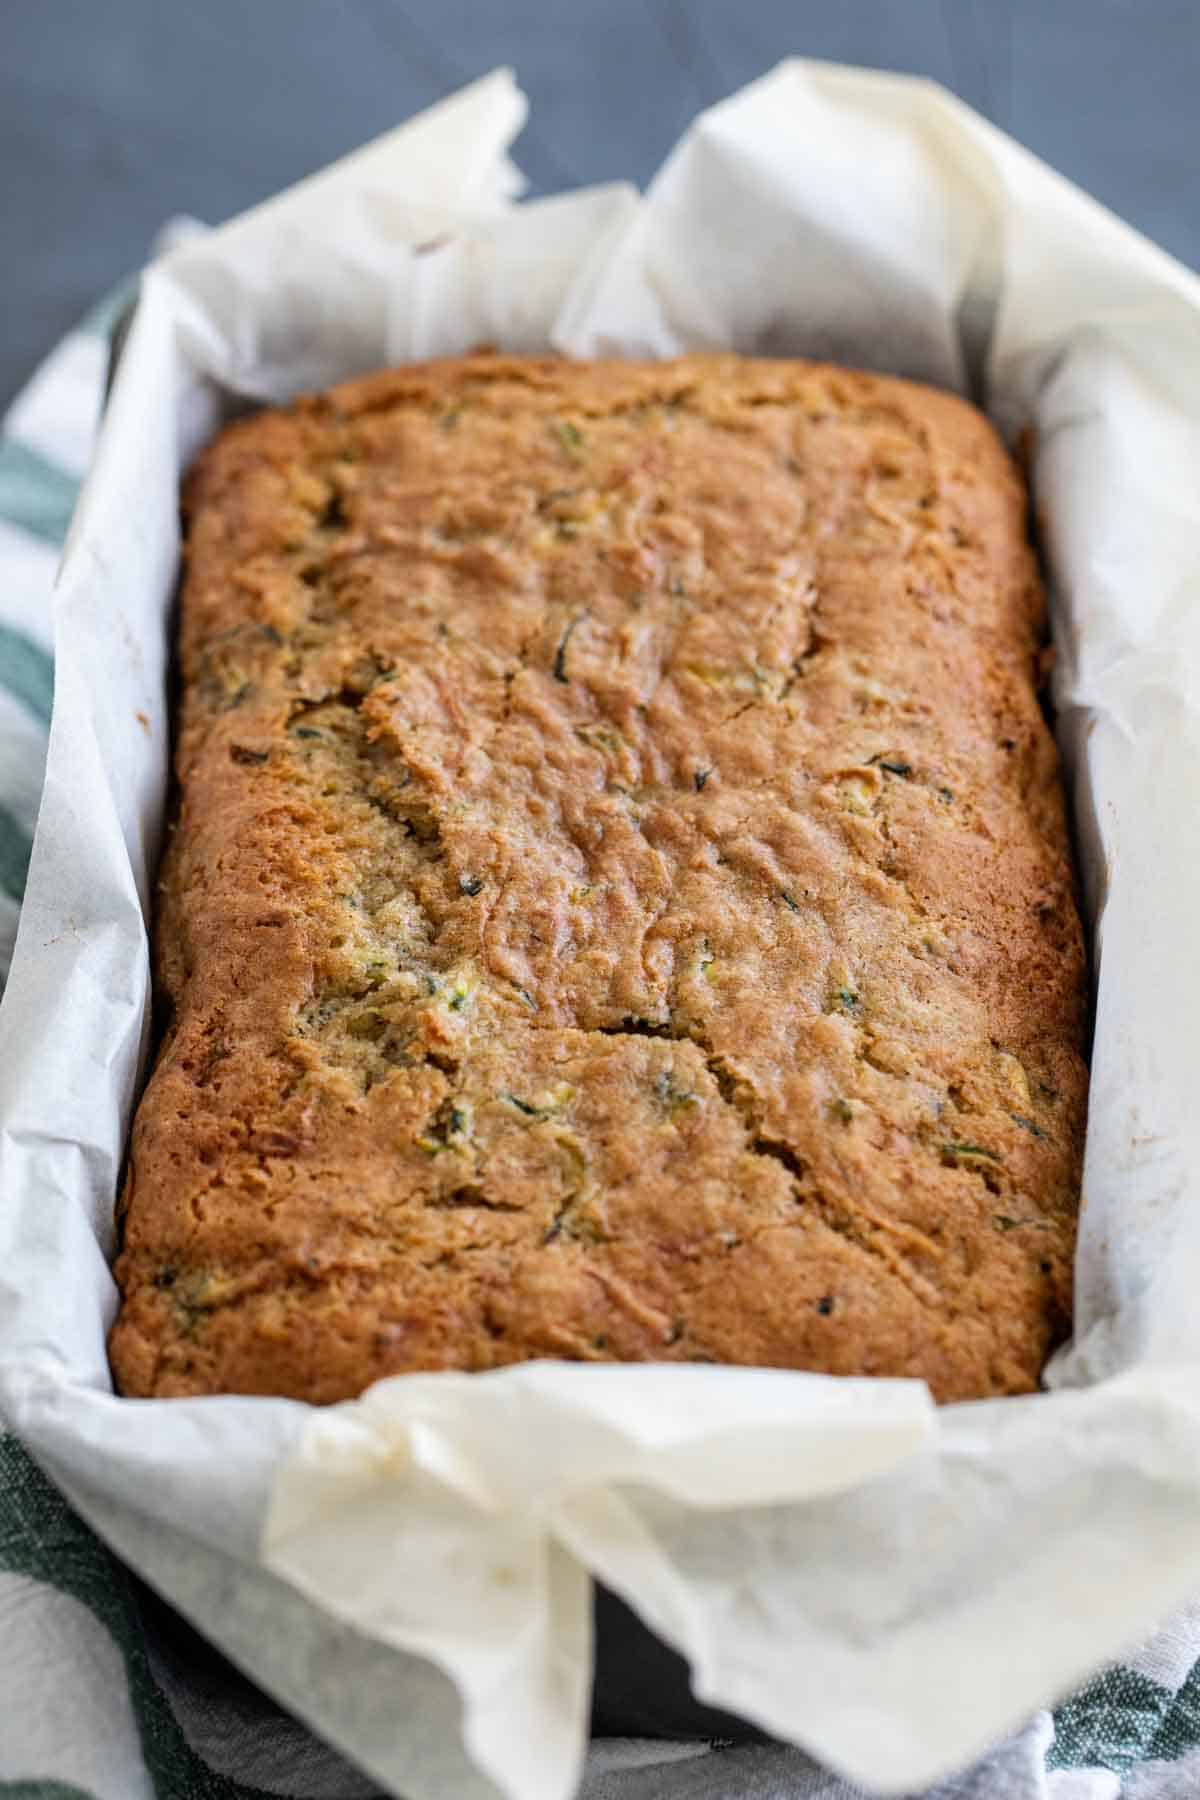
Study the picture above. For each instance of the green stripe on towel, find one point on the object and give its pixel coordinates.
(15, 848)
(34, 493)
(1179, 1731)
(43, 1790)
(27, 671)
(1110, 1722)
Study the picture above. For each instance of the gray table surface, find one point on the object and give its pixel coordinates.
(116, 113)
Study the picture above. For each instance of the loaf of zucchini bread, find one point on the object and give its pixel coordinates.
(618, 904)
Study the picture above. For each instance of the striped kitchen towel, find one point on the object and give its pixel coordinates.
(103, 1694)
(44, 450)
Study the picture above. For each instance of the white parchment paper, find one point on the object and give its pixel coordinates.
(890, 1585)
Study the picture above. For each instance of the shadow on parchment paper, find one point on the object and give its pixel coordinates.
(641, 1690)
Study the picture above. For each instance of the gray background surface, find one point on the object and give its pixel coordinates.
(116, 113)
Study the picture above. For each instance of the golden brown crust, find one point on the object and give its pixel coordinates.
(620, 905)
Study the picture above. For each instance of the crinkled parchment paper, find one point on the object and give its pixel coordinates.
(890, 1585)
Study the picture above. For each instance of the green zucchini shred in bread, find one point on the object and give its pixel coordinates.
(619, 905)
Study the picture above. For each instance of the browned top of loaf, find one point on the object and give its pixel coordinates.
(620, 903)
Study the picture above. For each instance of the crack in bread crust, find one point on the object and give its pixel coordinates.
(619, 905)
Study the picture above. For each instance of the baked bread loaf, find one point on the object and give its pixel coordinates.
(619, 905)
